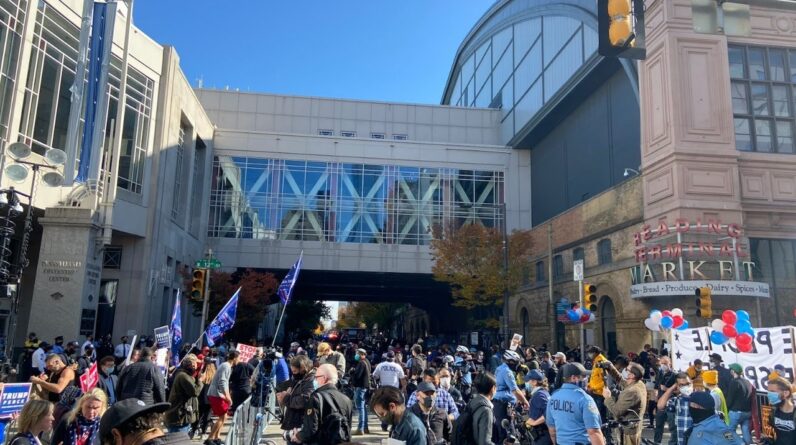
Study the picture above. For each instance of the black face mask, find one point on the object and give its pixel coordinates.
(699, 414)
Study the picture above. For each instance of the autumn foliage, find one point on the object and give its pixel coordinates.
(470, 259)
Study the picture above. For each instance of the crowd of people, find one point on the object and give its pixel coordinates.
(422, 396)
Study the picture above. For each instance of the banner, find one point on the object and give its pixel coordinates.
(175, 330)
(246, 352)
(13, 397)
(224, 321)
(286, 287)
(515, 342)
(772, 346)
(89, 379)
(162, 337)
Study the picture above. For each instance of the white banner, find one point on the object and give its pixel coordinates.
(772, 346)
(717, 288)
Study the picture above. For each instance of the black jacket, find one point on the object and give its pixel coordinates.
(184, 399)
(725, 378)
(360, 375)
(739, 397)
(438, 424)
(142, 380)
(319, 410)
(240, 378)
(297, 402)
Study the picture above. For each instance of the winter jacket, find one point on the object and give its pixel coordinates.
(184, 399)
(360, 376)
(142, 380)
(739, 395)
(297, 402)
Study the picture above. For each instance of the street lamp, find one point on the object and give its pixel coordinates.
(11, 274)
(628, 171)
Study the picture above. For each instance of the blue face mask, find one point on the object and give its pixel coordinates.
(356, 357)
(774, 398)
(528, 386)
(314, 384)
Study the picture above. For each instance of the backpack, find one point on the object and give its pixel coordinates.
(418, 366)
(463, 426)
(335, 427)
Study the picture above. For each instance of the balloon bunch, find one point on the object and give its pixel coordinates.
(734, 327)
(663, 321)
(579, 315)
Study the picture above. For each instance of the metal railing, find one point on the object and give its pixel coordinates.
(250, 422)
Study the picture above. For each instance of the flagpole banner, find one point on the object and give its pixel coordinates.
(175, 330)
(772, 346)
(286, 287)
(162, 337)
(224, 321)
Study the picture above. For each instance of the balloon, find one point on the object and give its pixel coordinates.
(591, 317)
(742, 325)
(667, 322)
(656, 315)
(749, 331)
(573, 316)
(730, 331)
(729, 317)
(667, 314)
(579, 311)
(743, 339)
(718, 338)
(742, 315)
(677, 321)
(683, 326)
(652, 325)
(717, 325)
(745, 348)
(677, 312)
(584, 318)
(653, 312)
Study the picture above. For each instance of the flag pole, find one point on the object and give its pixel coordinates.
(295, 270)
(278, 325)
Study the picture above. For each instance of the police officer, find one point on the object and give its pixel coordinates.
(708, 427)
(572, 416)
(508, 393)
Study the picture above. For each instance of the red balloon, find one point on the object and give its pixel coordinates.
(584, 318)
(744, 347)
(666, 314)
(743, 339)
(730, 331)
(678, 321)
(729, 317)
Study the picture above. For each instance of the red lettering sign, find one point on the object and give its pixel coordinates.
(89, 379)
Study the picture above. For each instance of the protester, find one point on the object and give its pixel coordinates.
(219, 396)
(724, 373)
(360, 380)
(710, 378)
(184, 396)
(142, 380)
(328, 418)
(664, 378)
(334, 358)
(240, 383)
(675, 399)
(739, 402)
(81, 425)
(388, 405)
(121, 350)
(438, 425)
(108, 381)
(783, 419)
(206, 377)
(631, 403)
(508, 393)
(296, 400)
(35, 419)
(133, 422)
(59, 384)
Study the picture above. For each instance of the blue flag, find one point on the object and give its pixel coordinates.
(286, 288)
(224, 321)
(176, 330)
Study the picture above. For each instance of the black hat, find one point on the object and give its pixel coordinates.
(127, 409)
(390, 354)
(715, 356)
(426, 387)
(703, 400)
(573, 369)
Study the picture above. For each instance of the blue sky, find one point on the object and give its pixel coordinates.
(397, 50)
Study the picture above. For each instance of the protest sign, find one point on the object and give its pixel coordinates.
(515, 342)
(89, 379)
(246, 352)
(162, 337)
(13, 397)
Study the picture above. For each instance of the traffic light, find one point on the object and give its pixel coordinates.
(198, 284)
(621, 28)
(589, 297)
(704, 303)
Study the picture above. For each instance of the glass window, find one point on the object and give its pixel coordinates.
(540, 272)
(737, 65)
(348, 134)
(760, 99)
(112, 257)
(757, 64)
(740, 98)
(528, 70)
(777, 65)
(578, 254)
(525, 34)
(743, 135)
(604, 254)
(500, 41)
(558, 267)
(780, 100)
(763, 134)
(377, 135)
(784, 137)
(558, 30)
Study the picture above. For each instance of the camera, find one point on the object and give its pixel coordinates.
(605, 364)
(270, 354)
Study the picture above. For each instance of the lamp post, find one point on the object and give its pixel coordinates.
(504, 229)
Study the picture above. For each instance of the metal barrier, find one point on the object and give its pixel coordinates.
(250, 422)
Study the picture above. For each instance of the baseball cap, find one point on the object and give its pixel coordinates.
(534, 375)
(361, 352)
(560, 354)
(737, 368)
(702, 399)
(573, 369)
(426, 387)
(125, 410)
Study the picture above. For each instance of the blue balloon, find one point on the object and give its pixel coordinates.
(742, 315)
(750, 331)
(742, 325)
(683, 326)
(573, 316)
(718, 338)
(667, 322)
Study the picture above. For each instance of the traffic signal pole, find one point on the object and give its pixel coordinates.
(582, 330)
(206, 300)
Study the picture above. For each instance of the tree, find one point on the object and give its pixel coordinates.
(470, 259)
(302, 317)
(369, 314)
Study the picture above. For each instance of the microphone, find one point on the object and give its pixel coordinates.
(505, 424)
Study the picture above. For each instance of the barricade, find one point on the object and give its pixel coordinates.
(246, 429)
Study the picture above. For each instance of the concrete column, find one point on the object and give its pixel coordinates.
(67, 274)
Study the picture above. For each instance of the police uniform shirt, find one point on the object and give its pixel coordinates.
(506, 385)
(571, 412)
(713, 431)
(389, 374)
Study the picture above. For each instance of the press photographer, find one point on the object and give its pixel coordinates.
(629, 405)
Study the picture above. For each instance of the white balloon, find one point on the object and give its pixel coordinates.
(677, 311)
(652, 325)
(717, 325)
(656, 317)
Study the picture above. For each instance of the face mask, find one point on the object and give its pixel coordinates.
(699, 414)
(686, 390)
(664, 369)
(108, 370)
(528, 386)
(774, 398)
(445, 382)
(591, 355)
(428, 402)
(625, 374)
(314, 384)
(356, 357)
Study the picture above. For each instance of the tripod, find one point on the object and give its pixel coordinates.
(263, 397)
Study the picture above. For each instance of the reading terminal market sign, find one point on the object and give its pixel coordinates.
(675, 260)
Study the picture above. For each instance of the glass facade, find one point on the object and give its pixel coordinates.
(261, 198)
(12, 17)
(775, 264)
(763, 85)
(45, 113)
(522, 66)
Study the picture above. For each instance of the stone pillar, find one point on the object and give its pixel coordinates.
(68, 274)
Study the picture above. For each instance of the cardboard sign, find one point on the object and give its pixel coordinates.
(162, 337)
(89, 379)
(162, 360)
(246, 352)
(766, 411)
(515, 342)
(772, 346)
(13, 397)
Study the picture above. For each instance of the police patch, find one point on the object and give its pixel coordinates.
(728, 436)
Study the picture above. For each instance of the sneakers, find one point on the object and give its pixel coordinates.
(357, 432)
(367, 431)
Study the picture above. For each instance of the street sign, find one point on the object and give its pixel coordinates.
(212, 263)
(577, 270)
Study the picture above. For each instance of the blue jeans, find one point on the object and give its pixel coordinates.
(362, 409)
(179, 429)
(743, 419)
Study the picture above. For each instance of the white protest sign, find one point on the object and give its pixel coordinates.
(515, 342)
(246, 352)
(772, 346)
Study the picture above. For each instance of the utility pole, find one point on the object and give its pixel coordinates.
(206, 295)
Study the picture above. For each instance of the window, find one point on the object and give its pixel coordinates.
(540, 275)
(578, 254)
(377, 135)
(176, 203)
(558, 267)
(198, 181)
(400, 137)
(348, 134)
(604, 255)
(325, 132)
(112, 257)
(87, 318)
(526, 275)
(763, 86)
